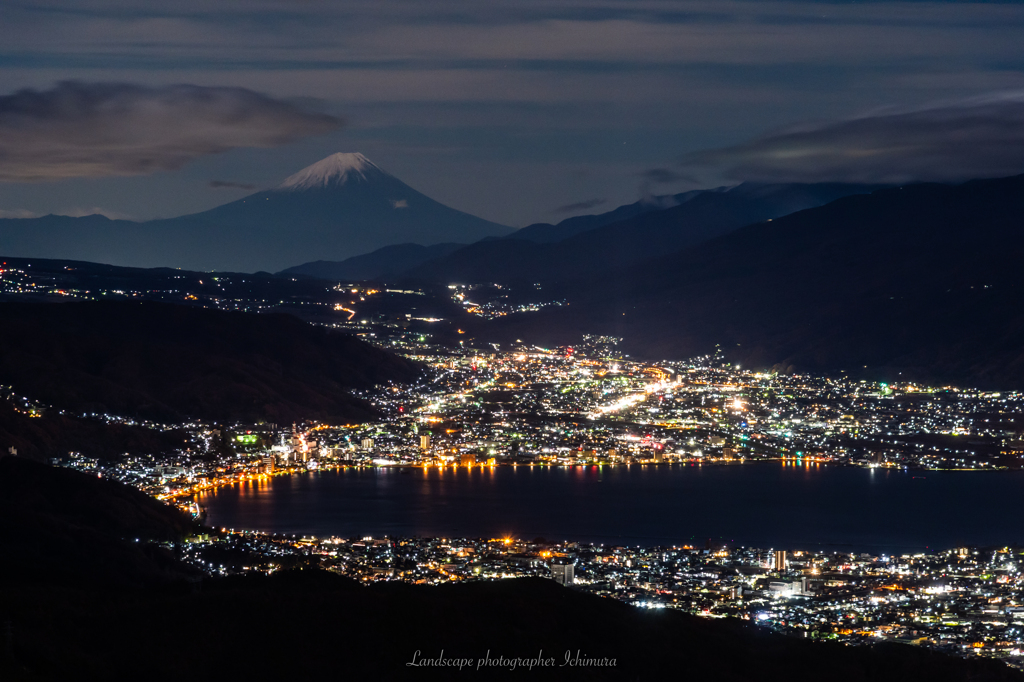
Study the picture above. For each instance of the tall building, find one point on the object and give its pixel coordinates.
(367, 443)
(780, 560)
(562, 573)
(425, 441)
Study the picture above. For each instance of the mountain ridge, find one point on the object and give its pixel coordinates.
(173, 362)
(912, 283)
(546, 233)
(387, 261)
(624, 243)
(341, 206)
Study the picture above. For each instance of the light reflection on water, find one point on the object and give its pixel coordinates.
(788, 505)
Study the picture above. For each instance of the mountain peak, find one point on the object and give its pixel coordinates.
(335, 170)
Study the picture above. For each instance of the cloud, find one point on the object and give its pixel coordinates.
(227, 184)
(94, 130)
(661, 176)
(664, 176)
(18, 213)
(580, 206)
(981, 137)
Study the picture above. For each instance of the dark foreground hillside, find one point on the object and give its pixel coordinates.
(311, 625)
(144, 623)
(54, 435)
(67, 528)
(171, 363)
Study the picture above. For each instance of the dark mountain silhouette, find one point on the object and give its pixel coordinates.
(53, 434)
(171, 363)
(917, 282)
(69, 528)
(94, 238)
(170, 285)
(339, 207)
(328, 622)
(392, 261)
(546, 233)
(700, 217)
(384, 262)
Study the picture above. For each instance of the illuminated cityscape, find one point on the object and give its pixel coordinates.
(565, 407)
(965, 601)
(588, 405)
(580, 340)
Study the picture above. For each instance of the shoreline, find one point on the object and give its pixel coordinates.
(221, 483)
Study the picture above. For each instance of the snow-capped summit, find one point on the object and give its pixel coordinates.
(335, 170)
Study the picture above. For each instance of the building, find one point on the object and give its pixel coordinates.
(367, 443)
(562, 573)
(425, 441)
(780, 560)
(793, 588)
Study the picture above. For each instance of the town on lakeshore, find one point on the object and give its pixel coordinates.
(592, 405)
(489, 405)
(965, 601)
(602, 340)
(587, 405)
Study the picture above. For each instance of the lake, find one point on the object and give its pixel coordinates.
(763, 505)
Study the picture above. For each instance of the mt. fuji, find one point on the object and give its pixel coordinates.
(341, 206)
(334, 171)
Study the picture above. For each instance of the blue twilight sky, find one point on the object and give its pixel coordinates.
(517, 111)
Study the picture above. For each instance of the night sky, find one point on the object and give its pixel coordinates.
(517, 112)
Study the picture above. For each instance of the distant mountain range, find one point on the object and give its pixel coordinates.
(386, 262)
(394, 261)
(592, 243)
(916, 283)
(546, 233)
(339, 207)
(622, 243)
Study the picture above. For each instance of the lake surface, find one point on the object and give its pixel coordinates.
(762, 505)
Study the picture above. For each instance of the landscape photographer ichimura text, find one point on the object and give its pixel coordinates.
(572, 659)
